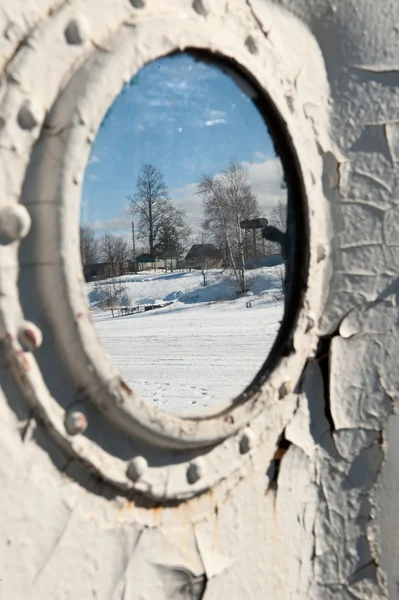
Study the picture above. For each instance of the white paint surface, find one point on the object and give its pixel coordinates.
(331, 68)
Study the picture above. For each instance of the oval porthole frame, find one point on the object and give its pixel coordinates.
(68, 130)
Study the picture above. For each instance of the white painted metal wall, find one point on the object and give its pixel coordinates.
(289, 494)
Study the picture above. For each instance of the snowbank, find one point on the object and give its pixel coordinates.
(204, 347)
(186, 287)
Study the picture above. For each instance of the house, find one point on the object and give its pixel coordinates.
(96, 271)
(145, 263)
(204, 255)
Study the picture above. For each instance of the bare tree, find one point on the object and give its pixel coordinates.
(107, 251)
(111, 292)
(114, 250)
(279, 216)
(228, 199)
(89, 249)
(151, 202)
(122, 252)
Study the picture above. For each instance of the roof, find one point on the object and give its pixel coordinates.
(201, 251)
(145, 258)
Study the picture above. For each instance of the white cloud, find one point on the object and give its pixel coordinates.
(265, 179)
(212, 122)
(93, 159)
(123, 220)
(176, 85)
(187, 199)
(259, 157)
(156, 102)
(174, 90)
(216, 114)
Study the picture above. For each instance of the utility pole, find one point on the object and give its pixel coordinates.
(134, 249)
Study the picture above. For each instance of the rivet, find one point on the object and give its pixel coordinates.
(75, 422)
(137, 3)
(195, 471)
(201, 7)
(251, 44)
(30, 337)
(15, 223)
(247, 440)
(77, 32)
(30, 115)
(136, 468)
(321, 253)
(285, 389)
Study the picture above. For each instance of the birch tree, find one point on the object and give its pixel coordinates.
(227, 200)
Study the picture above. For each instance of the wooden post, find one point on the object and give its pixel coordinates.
(134, 249)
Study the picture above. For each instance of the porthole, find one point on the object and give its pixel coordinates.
(183, 234)
(68, 376)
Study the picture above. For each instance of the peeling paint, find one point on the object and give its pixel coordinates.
(320, 435)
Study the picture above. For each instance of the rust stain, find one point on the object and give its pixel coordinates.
(277, 458)
(228, 419)
(275, 505)
(322, 357)
(30, 335)
(128, 505)
(24, 362)
(79, 315)
(126, 388)
(158, 514)
(22, 378)
(278, 455)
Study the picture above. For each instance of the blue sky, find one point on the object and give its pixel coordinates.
(187, 118)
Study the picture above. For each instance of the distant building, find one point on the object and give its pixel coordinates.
(204, 255)
(145, 263)
(96, 271)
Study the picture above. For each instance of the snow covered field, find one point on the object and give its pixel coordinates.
(205, 347)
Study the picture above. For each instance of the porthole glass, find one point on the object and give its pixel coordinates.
(183, 233)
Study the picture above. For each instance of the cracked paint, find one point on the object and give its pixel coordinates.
(73, 525)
